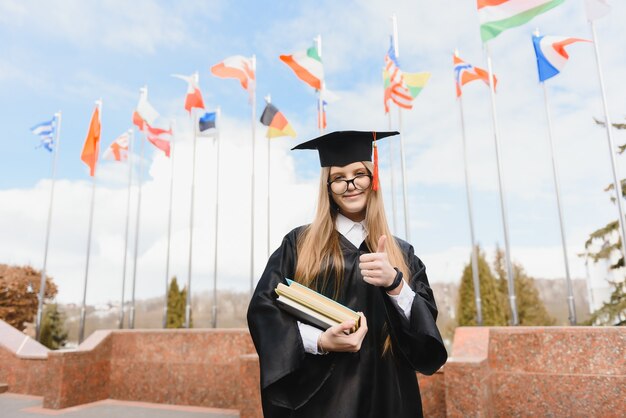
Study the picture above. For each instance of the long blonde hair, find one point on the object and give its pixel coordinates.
(318, 246)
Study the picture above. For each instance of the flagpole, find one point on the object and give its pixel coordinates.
(253, 106)
(169, 226)
(130, 178)
(555, 175)
(268, 99)
(320, 126)
(191, 213)
(407, 228)
(396, 47)
(216, 140)
(393, 183)
(81, 333)
(42, 286)
(475, 276)
(609, 136)
(505, 226)
(131, 321)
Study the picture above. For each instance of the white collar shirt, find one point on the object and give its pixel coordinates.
(355, 232)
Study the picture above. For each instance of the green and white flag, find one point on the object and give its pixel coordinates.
(496, 16)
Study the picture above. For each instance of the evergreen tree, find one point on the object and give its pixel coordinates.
(492, 312)
(176, 302)
(612, 312)
(530, 308)
(53, 332)
(605, 244)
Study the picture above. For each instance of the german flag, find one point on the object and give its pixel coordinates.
(276, 122)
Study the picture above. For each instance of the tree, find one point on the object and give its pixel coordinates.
(176, 303)
(53, 333)
(530, 309)
(19, 292)
(492, 312)
(605, 244)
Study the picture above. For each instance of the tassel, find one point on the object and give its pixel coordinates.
(375, 174)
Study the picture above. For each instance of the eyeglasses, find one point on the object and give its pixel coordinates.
(359, 182)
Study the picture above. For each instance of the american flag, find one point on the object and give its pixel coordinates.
(395, 89)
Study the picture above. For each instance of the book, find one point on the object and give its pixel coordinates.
(312, 307)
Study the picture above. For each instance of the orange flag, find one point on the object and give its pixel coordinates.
(91, 148)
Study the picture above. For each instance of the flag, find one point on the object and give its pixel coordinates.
(238, 67)
(157, 131)
(321, 114)
(496, 16)
(276, 122)
(45, 132)
(160, 143)
(194, 96)
(597, 8)
(206, 123)
(307, 65)
(326, 97)
(551, 54)
(118, 150)
(144, 112)
(465, 73)
(415, 82)
(395, 89)
(91, 148)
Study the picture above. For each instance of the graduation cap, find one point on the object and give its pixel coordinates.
(345, 147)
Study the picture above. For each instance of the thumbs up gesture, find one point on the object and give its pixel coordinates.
(376, 268)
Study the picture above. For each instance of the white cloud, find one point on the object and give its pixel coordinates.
(134, 27)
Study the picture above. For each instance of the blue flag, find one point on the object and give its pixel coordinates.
(45, 132)
(206, 122)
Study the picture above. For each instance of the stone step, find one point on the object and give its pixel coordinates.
(3, 387)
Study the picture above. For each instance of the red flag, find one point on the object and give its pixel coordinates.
(194, 96)
(91, 148)
(160, 143)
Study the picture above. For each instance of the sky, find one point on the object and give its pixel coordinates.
(64, 55)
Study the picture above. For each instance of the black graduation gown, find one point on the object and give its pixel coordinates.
(344, 385)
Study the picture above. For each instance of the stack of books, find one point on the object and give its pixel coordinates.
(312, 307)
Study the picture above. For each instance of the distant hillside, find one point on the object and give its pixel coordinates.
(232, 308)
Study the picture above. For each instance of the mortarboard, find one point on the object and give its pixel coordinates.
(345, 147)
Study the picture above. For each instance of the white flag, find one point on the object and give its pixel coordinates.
(145, 109)
(597, 8)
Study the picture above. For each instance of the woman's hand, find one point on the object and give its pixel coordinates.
(336, 339)
(376, 269)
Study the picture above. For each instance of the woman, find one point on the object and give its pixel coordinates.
(347, 253)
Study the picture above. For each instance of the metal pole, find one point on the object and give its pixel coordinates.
(42, 285)
(252, 182)
(169, 227)
(393, 183)
(320, 126)
(407, 228)
(131, 322)
(193, 184)
(609, 135)
(555, 175)
(268, 100)
(81, 331)
(475, 276)
(505, 225)
(130, 182)
(217, 199)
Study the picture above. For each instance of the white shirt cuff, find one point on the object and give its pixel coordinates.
(309, 336)
(403, 300)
